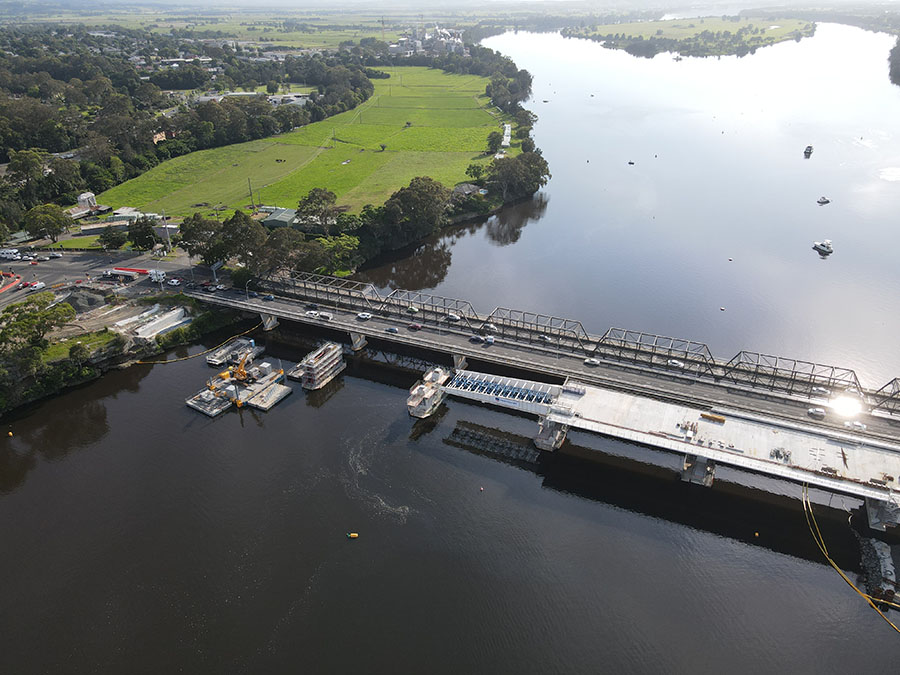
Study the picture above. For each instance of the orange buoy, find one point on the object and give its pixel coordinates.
(352, 535)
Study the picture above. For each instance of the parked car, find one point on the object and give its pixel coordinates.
(363, 316)
(56, 254)
(220, 287)
(43, 258)
(173, 282)
(37, 286)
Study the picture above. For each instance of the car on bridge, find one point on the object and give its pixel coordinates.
(477, 339)
(489, 328)
(453, 317)
(363, 316)
(325, 316)
(590, 361)
(489, 340)
(412, 310)
(269, 297)
(675, 363)
(816, 412)
(415, 326)
(391, 329)
(313, 314)
(544, 338)
(821, 391)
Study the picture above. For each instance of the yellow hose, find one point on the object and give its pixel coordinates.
(820, 542)
(185, 358)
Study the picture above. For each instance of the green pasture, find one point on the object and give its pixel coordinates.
(681, 29)
(448, 128)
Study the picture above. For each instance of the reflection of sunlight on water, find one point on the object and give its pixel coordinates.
(846, 406)
(892, 174)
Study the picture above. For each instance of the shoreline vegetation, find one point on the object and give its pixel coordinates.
(698, 37)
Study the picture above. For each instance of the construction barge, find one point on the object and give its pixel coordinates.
(320, 366)
(259, 387)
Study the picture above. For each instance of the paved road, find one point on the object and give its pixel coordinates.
(550, 360)
(88, 266)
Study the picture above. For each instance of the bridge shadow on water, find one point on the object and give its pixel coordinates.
(727, 509)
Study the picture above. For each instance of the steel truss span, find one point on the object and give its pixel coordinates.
(402, 300)
(789, 375)
(888, 397)
(675, 355)
(521, 324)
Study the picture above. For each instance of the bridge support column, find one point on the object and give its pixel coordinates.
(882, 514)
(357, 341)
(269, 321)
(459, 362)
(550, 435)
(698, 470)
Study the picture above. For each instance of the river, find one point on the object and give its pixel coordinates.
(140, 536)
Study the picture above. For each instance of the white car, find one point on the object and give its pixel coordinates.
(38, 286)
(858, 426)
(325, 316)
(591, 362)
(821, 390)
(675, 363)
(363, 316)
(173, 282)
(56, 254)
(313, 314)
(453, 317)
(816, 412)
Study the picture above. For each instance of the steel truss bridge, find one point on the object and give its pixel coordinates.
(683, 357)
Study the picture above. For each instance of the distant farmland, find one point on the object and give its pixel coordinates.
(449, 120)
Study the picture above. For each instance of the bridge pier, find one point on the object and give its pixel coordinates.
(550, 435)
(357, 341)
(882, 515)
(459, 362)
(269, 321)
(698, 470)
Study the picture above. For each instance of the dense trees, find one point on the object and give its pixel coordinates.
(518, 176)
(48, 221)
(494, 142)
(142, 235)
(66, 91)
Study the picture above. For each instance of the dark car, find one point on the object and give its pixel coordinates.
(253, 294)
(268, 297)
(313, 306)
(392, 329)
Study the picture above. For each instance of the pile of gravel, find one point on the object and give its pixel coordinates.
(84, 300)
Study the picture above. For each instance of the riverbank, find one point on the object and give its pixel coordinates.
(73, 359)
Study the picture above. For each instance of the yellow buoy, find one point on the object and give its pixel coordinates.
(352, 535)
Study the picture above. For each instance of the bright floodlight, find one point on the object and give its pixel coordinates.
(846, 406)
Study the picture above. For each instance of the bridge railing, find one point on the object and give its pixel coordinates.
(684, 356)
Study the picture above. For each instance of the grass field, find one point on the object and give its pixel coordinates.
(449, 120)
(92, 341)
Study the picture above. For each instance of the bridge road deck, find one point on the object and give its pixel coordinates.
(558, 361)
